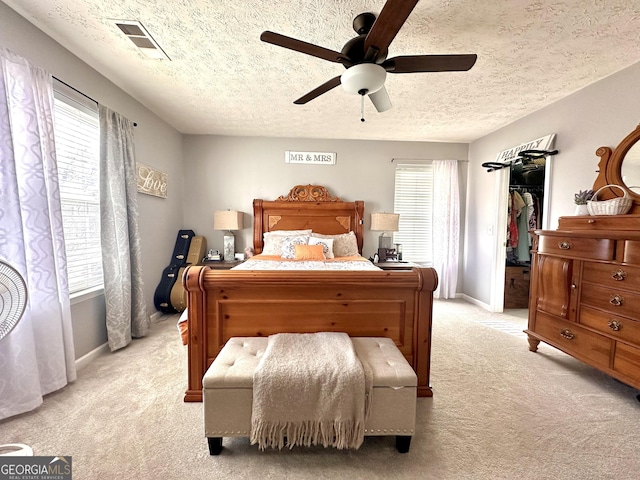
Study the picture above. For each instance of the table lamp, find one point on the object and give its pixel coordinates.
(384, 222)
(228, 220)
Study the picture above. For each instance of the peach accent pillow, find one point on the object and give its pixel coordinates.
(288, 250)
(308, 252)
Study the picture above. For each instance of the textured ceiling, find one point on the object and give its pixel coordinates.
(223, 80)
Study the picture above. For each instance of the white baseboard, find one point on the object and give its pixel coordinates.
(85, 360)
(469, 299)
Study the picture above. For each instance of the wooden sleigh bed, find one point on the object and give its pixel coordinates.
(246, 303)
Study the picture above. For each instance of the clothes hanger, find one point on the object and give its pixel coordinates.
(524, 156)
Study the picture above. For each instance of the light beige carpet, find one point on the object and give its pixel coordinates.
(498, 412)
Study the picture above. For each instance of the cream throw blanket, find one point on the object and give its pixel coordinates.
(310, 389)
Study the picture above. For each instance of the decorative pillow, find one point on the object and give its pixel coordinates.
(272, 241)
(272, 245)
(344, 244)
(327, 245)
(288, 245)
(308, 252)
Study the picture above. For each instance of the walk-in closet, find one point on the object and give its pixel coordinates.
(526, 195)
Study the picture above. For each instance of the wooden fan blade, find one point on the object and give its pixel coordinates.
(430, 63)
(324, 88)
(304, 47)
(386, 27)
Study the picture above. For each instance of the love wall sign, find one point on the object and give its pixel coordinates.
(150, 181)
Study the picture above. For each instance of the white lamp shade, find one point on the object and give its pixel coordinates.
(227, 220)
(385, 222)
(364, 76)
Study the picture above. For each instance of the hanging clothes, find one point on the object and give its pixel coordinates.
(531, 214)
(517, 204)
(524, 243)
(524, 215)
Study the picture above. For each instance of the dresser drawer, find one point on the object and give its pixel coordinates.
(631, 252)
(611, 275)
(627, 361)
(600, 222)
(574, 339)
(621, 328)
(611, 300)
(587, 248)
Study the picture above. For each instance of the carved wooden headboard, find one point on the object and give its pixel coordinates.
(307, 206)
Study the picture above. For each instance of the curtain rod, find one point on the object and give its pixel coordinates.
(81, 93)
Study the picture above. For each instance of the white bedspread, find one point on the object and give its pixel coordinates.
(261, 262)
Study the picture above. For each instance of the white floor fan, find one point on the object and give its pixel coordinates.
(13, 301)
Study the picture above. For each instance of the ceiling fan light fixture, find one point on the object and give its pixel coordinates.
(364, 78)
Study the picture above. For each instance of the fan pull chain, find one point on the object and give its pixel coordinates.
(362, 108)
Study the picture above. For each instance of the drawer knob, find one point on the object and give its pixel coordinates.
(615, 325)
(566, 333)
(616, 300)
(564, 245)
(619, 275)
(591, 220)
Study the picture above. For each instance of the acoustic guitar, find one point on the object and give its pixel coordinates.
(197, 249)
(162, 295)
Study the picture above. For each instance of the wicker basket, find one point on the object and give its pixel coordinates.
(615, 206)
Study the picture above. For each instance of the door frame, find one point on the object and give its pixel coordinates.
(501, 189)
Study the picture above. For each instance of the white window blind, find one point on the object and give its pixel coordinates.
(413, 201)
(77, 137)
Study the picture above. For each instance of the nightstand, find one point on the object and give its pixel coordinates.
(221, 264)
(392, 265)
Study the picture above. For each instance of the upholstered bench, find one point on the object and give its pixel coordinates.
(227, 390)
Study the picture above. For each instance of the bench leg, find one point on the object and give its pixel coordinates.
(215, 445)
(403, 443)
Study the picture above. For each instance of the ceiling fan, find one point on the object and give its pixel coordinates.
(365, 56)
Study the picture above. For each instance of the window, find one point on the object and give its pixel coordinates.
(413, 195)
(77, 137)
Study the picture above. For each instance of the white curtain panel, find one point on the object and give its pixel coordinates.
(127, 314)
(37, 357)
(446, 226)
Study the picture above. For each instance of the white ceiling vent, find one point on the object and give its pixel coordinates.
(141, 38)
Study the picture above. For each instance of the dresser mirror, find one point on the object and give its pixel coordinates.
(630, 169)
(621, 167)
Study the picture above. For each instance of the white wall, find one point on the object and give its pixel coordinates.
(601, 114)
(157, 145)
(230, 172)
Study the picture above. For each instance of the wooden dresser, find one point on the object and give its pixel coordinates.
(585, 292)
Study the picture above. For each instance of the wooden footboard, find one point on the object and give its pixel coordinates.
(234, 303)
